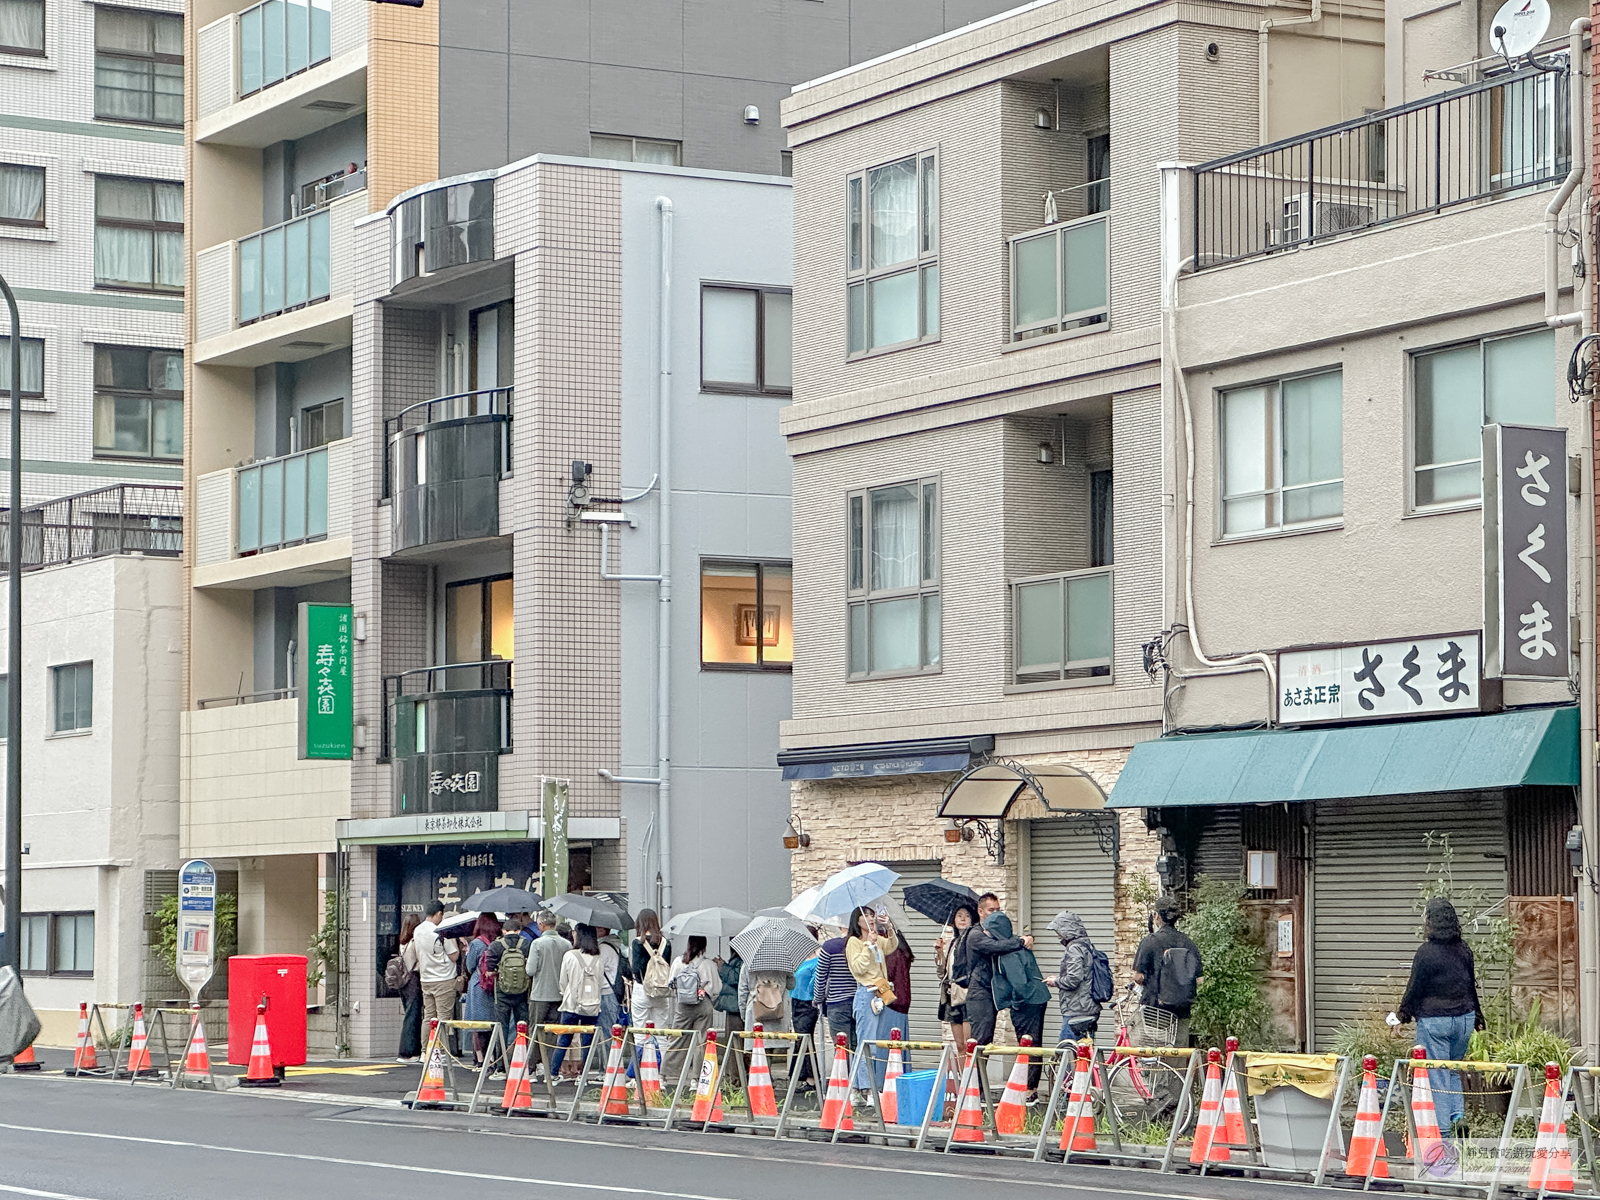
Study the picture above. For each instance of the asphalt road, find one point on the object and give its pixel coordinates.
(93, 1140)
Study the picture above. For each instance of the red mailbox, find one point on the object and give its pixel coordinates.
(280, 979)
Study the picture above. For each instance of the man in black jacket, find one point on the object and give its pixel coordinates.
(985, 946)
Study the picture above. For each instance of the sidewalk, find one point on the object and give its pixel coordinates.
(366, 1079)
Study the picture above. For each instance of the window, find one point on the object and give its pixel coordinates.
(1101, 535)
(32, 369)
(58, 943)
(21, 188)
(1282, 454)
(138, 66)
(321, 424)
(1063, 627)
(786, 163)
(5, 710)
(746, 339)
(1097, 173)
(281, 38)
(478, 620)
(746, 616)
(893, 578)
(1060, 279)
(138, 234)
(1456, 391)
(138, 403)
(892, 256)
(74, 688)
(36, 943)
(635, 149)
(22, 27)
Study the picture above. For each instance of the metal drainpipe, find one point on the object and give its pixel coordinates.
(1578, 153)
(1261, 58)
(664, 560)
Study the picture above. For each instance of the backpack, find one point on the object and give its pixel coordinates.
(396, 975)
(686, 985)
(766, 1004)
(512, 977)
(1175, 983)
(485, 975)
(1100, 983)
(589, 985)
(657, 974)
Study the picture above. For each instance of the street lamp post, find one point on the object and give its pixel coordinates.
(13, 955)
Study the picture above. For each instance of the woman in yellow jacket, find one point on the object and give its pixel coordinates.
(872, 940)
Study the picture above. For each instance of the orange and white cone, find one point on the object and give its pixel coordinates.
(1366, 1138)
(1428, 1150)
(83, 1057)
(1232, 1131)
(139, 1048)
(431, 1089)
(1552, 1156)
(1206, 1149)
(650, 1069)
(1078, 1133)
(260, 1073)
(1012, 1110)
(889, 1099)
(708, 1097)
(197, 1060)
(763, 1100)
(614, 1091)
(969, 1116)
(519, 1090)
(25, 1060)
(836, 1105)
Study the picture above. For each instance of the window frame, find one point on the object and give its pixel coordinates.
(154, 227)
(52, 965)
(760, 666)
(1093, 665)
(153, 58)
(633, 141)
(49, 943)
(27, 394)
(927, 258)
(55, 705)
(41, 51)
(148, 395)
(762, 291)
(304, 418)
(43, 221)
(1220, 493)
(1413, 468)
(1062, 324)
(865, 596)
(485, 613)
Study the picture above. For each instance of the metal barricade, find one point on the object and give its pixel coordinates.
(1149, 1076)
(976, 1074)
(1584, 1109)
(178, 1064)
(1251, 1157)
(944, 1070)
(787, 1049)
(1442, 1161)
(112, 1043)
(637, 1044)
(438, 1044)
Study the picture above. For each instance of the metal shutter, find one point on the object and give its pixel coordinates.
(1370, 862)
(1068, 870)
(920, 933)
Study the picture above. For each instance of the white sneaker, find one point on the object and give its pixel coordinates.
(867, 1098)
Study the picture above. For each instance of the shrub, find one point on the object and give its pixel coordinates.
(1230, 1000)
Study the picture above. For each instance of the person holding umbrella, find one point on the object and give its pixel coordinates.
(872, 940)
(955, 906)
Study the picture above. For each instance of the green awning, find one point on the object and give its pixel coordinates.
(1537, 746)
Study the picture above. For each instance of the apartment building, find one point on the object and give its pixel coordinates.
(1032, 560)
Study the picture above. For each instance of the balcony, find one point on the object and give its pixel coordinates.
(280, 70)
(126, 518)
(445, 729)
(1502, 136)
(1061, 278)
(441, 226)
(446, 460)
(280, 295)
(281, 522)
(1061, 627)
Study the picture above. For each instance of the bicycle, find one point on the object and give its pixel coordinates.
(1143, 1090)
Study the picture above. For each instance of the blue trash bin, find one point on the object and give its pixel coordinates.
(913, 1093)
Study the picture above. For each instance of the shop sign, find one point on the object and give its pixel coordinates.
(323, 680)
(197, 925)
(1418, 677)
(553, 846)
(1525, 592)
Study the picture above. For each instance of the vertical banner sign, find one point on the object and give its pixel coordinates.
(553, 846)
(1526, 634)
(197, 926)
(323, 680)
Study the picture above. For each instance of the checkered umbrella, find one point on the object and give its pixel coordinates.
(775, 945)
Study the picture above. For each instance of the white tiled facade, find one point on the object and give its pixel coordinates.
(47, 107)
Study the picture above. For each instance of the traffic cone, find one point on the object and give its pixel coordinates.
(1205, 1149)
(1012, 1110)
(763, 1100)
(83, 1058)
(1366, 1139)
(197, 1061)
(1078, 1133)
(1552, 1157)
(260, 1073)
(650, 1069)
(519, 1090)
(139, 1049)
(889, 1101)
(708, 1097)
(1425, 1119)
(969, 1117)
(431, 1089)
(25, 1060)
(614, 1091)
(836, 1105)
(1232, 1131)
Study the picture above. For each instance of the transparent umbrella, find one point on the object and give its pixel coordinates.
(707, 922)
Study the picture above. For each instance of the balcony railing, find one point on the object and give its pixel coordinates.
(446, 458)
(283, 501)
(281, 38)
(444, 730)
(126, 518)
(1473, 144)
(1061, 626)
(447, 226)
(1060, 278)
(285, 267)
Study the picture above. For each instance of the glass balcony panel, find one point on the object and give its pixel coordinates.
(272, 42)
(1088, 618)
(321, 30)
(297, 36)
(249, 279)
(1083, 251)
(321, 267)
(296, 263)
(249, 51)
(272, 271)
(1039, 627)
(271, 503)
(294, 499)
(1033, 274)
(249, 511)
(317, 494)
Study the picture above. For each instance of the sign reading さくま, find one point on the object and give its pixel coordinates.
(1526, 634)
(323, 680)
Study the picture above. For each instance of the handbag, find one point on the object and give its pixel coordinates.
(958, 994)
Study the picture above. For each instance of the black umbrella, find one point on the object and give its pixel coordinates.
(504, 900)
(590, 910)
(938, 899)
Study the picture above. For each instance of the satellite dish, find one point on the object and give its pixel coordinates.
(1518, 27)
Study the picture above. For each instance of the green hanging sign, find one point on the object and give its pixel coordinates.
(553, 844)
(323, 680)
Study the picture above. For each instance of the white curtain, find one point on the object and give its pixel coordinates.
(32, 365)
(123, 255)
(894, 539)
(21, 191)
(893, 200)
(22, 24)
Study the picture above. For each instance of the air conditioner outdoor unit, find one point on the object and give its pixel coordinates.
(1328, 216)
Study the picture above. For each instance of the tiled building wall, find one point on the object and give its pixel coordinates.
(1137, 458)
(402, 100)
